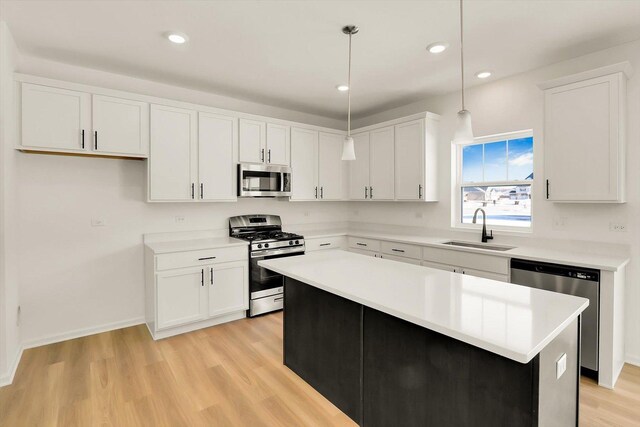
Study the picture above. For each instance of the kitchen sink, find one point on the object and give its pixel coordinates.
(479, 246)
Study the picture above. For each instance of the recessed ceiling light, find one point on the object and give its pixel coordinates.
(438, 47)
(177, 38)
(483, 74)
(342, 88)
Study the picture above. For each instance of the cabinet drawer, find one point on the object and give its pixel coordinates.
(365, 244)
(364, 252)
(334, 242)
(466, 259)
(401, 250)
(401, 259)
(203, 257)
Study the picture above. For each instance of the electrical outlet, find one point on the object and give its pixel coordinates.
(619, 227)
(307, 213)
(98, 222)
(559, 222)
(179, 219)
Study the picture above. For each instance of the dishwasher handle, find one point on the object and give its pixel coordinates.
(556, 269)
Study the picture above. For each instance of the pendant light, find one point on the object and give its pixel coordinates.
(464, 132)
(348, 147)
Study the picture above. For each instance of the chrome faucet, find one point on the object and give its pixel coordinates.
(485, 238)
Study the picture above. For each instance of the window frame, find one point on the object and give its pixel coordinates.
(458, 184)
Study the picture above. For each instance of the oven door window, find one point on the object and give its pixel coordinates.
(263, 279)
(261, 181)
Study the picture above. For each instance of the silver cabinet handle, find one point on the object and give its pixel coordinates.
(269, 155)
(420, 191)
(397, 250)
(262, 155)
(371, 192)
(365, 192)
(211, 275)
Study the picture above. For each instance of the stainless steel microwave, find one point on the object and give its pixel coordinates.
(263, 180)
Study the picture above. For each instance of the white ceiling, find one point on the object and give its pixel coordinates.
(292, 54)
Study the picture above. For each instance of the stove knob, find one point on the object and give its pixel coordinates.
(291, 242)
(259, 245)
(297, 242)
(266, 245)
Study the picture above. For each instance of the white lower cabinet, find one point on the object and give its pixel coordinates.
(192, 290)
(181, 297)
(323, 243)
(473, 264)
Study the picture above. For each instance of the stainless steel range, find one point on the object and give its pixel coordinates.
(267, 241)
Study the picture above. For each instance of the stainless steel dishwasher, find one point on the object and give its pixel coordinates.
(582, 282)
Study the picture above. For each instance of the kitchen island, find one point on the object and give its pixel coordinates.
(398, 344)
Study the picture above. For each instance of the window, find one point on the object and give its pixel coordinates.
(495, 173)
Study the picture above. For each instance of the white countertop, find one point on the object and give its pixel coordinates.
(513, 321)
(544, 254)
(194, 244)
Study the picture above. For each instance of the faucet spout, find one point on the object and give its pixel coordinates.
(485, 237)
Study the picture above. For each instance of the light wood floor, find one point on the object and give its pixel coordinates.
(228, 375)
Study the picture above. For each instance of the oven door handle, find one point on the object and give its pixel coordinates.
(270, 252)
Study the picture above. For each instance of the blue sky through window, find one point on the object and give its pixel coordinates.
(510, 160)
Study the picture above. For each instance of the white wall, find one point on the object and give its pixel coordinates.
(512, 104)
(9, 330)
(76, 277)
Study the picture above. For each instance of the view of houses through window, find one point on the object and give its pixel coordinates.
(497, 176)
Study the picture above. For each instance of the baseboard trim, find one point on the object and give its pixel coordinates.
(8, 379)
(79, 333)
(633, 360)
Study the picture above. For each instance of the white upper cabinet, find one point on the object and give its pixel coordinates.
(584, 144)
(120, 126)
(262, 142)
(359, 168)
(381, 177)
(217, 148)
(330, 167)
(78, 122)
(173, 156)
(278, 145)
(55, 118)
(397, 161)
(304, 164)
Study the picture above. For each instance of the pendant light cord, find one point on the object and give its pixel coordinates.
(349, 91)
(462, 54)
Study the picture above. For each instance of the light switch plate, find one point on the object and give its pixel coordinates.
(561, 366)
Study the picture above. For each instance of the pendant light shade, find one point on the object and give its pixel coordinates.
(348, 147)
(464, 131)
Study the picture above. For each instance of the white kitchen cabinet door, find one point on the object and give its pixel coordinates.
(55, 118)
(217, 170)
(182, 297)
(304, 164)
(252, 141)
(278, 144)
(438, 266)
(584, 144)
(359, 168)
(409, 160)
(485, 274)
(228, 288)
(330, 173)
(120, 126)
(173, 154)
(381, 177)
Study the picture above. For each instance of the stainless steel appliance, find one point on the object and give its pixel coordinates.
(267, 239)
(263, 180)
(582, 282)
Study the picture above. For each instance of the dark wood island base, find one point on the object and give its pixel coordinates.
(384, 371)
